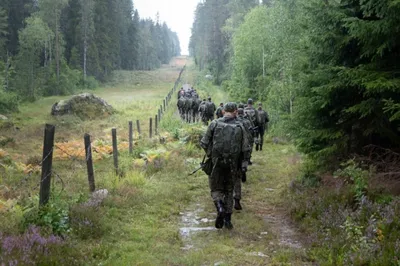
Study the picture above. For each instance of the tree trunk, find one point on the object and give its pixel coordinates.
(57, 51)
(7, 68)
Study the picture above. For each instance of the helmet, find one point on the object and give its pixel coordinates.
(230, 107)
(209, 98)
(241, 105)
(240, 111)
(250, 101)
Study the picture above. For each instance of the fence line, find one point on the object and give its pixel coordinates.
(49, 148)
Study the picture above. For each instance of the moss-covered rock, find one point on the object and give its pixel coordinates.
(86, 106)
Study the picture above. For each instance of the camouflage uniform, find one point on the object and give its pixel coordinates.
(225, 172)
(202, 111)
(219, 112)
(263, 119)
(210, 114)
(237, 195)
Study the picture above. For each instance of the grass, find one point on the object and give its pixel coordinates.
(140, 221)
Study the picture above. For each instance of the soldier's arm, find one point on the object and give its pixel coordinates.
(266, 117)
(246, 147)
(206, 141)
(256, 122)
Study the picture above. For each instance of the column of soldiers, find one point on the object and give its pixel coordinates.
(188, 104)
(229, 142)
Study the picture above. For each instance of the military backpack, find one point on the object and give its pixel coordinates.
(251, 114)
(262, 117)
(209, 108)
(227, 140)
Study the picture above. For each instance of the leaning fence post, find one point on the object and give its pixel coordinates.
(138, 127)
(151, 127)
(47, 162)
(159, 115)
(115, 149)
(156, 125)
(164, 105)
(130, 138)
(89, 162)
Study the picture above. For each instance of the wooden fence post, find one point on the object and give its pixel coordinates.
(47, 162)
(130, 138)
(151, 127)
(89, 162)
(159, 115)
(138, 127)
(156, 125)
(164, 104)
(115, 149)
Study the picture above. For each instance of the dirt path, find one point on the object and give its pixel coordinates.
(263, 233)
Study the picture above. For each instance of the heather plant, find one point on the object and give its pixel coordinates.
(33, 248)
(348, 230)
(86, 222)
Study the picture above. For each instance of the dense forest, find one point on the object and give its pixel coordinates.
(328, 71)
(53, 47)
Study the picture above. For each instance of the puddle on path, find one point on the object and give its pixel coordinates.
(192, 223)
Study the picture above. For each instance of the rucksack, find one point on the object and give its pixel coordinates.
(262, 117)
(219, 112)
(227, 140)
(251, 114)
(209, 108)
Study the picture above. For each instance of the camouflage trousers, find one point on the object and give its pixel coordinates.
(237, 192)
(260, 134)
(221, 182)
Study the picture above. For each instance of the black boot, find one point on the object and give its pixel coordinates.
(227, 221)
(237, 205)
(261, 147)
(256, 147)
(219, 222)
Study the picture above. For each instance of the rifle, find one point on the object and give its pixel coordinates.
(201, 166)
(253, 129)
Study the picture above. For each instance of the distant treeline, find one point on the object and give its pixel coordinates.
(53, 47)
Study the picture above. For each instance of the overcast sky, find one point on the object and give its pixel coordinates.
(178, 14)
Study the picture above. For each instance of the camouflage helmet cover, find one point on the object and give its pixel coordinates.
(230, 107)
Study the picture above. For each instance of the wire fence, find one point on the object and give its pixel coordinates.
(80, 159)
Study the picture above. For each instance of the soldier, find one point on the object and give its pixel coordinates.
(181, 93)
(202, 111)
(252, 114)
(219, 113)
(247, 124)
(263, 119)
(210, 110)
(225, 142)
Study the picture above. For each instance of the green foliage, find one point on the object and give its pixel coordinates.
(54, 216)
(8, 102)
(355, 175)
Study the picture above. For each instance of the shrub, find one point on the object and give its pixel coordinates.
(8, 102)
